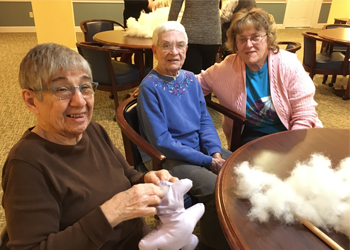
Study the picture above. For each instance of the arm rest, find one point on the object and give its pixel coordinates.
(130, 135)
(238, 123)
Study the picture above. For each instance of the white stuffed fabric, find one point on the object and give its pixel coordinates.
(146, 23)
(176, 223)
(314, 191)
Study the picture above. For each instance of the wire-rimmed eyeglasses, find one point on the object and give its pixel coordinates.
(180, 47)
(64, 92)
(256, 39)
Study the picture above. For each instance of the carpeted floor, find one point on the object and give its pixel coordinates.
(15, 118)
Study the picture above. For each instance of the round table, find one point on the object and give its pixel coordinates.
(341, 35)
(117, 38)
(278, 154)
(138, 44)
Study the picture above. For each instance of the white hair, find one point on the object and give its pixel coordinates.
(168, 26)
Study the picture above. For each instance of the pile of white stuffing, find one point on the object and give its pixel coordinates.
(146, 23)
(314, 191)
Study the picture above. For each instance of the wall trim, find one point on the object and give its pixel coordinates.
(27, 29)
(74, 1)
(24, 29)
(97, 1)
(17, 29)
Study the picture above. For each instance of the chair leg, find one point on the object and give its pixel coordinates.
(126, 57)
(334, 79)
(347, 91)
(116, 104)
(325, 77)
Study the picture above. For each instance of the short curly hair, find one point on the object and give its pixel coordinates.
(44, 60)
(257, 18)
(168, 26)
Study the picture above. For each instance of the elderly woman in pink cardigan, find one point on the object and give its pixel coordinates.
(266, 85)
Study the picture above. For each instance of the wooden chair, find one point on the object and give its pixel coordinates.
(112, 76)
(93, 26)
(325, 63)
(238, 123)
(128, 122)
(290, 46)
(328, 47)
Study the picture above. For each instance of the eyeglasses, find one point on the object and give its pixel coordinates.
(254, 40)
(64, 92)
(180, 47)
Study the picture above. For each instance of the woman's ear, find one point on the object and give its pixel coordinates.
(154, 50)
(29, 100)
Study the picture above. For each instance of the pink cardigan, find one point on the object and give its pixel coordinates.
(292, 90)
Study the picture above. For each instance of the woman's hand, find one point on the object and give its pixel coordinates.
(216, 163)
(156, 176)
(138, 201)
(135, 93)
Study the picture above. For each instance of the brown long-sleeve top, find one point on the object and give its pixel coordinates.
(52, 194)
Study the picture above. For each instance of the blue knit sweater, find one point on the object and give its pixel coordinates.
(173, 118)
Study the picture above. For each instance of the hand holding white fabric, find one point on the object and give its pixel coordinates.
(138, 201)
(177, 224)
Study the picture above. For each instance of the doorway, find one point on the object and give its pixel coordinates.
(302, 13)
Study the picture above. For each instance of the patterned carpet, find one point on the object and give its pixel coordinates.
(15, 118)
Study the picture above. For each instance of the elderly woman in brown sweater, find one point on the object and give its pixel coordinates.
(66, 186)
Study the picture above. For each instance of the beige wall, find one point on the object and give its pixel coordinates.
(339, 9)
(54, 21)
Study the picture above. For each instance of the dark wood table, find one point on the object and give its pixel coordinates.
(341, 36)
(139, 45)
(117, 38)
(278, 154)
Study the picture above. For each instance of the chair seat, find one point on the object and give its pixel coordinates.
(111, 47)
(333, 61)
(125, 73)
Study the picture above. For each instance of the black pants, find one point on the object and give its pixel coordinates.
(200, 57)
(249, 135)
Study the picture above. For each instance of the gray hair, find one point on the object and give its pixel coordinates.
(258, 19)
(44, 60)
(167, 26)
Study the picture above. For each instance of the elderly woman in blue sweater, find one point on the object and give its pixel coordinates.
(174, 119)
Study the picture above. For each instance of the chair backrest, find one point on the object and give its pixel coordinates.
(130, 115)
(128, 122)
(93, 26)
(334, 26)
(99, 59)
(309, 48)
